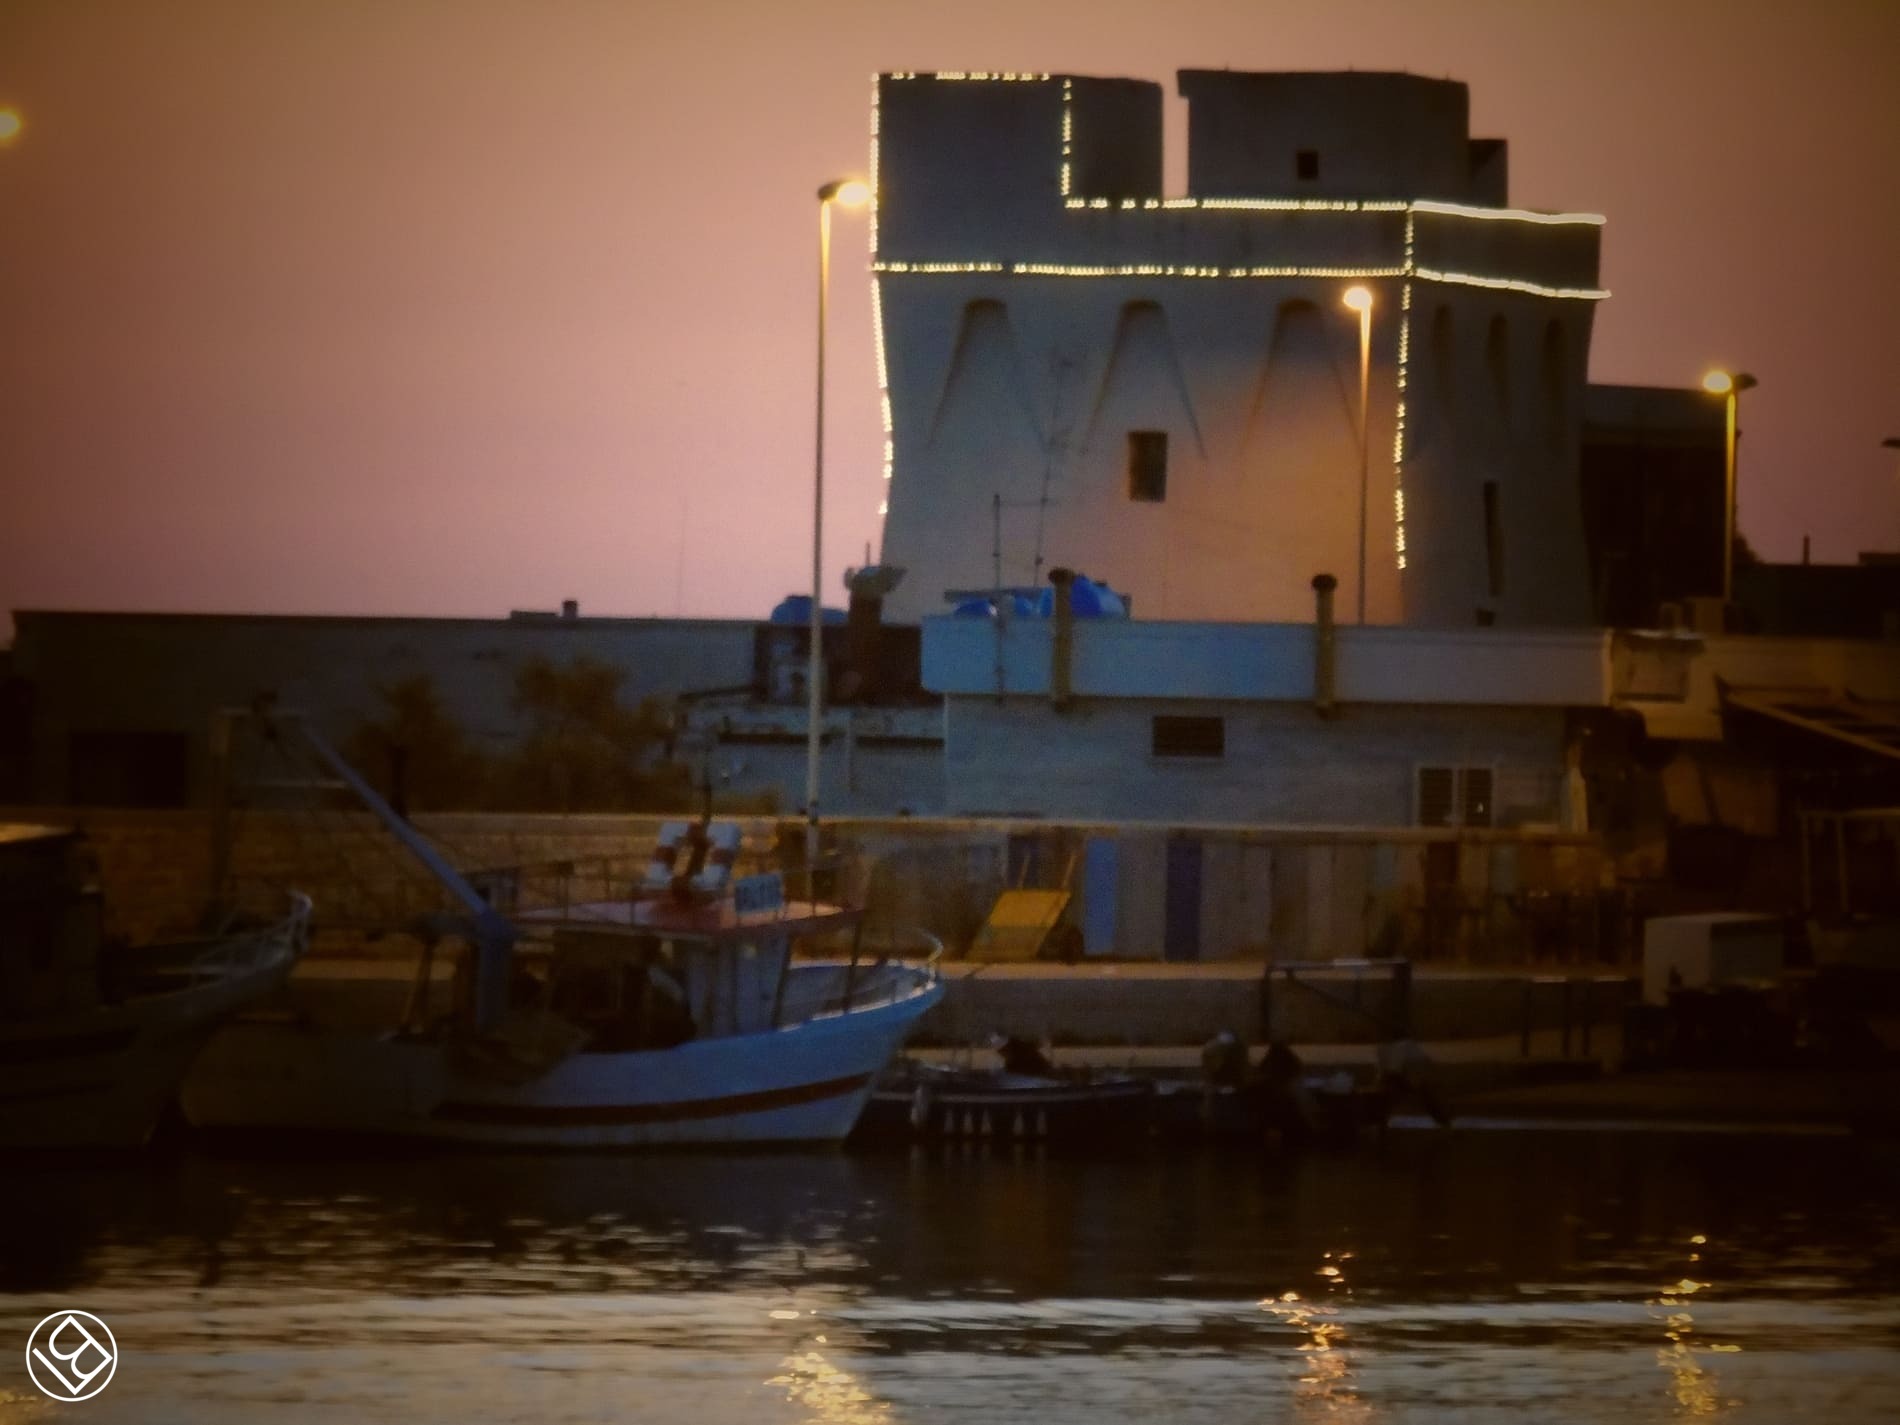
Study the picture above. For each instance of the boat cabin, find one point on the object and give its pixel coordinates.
(650, 974)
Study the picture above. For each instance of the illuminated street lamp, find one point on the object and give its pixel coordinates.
(10, 125)
(1359, 299)
(852, 194)
(1728, 386)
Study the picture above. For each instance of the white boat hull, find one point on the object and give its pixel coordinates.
(104, 1077)
(803, 1083)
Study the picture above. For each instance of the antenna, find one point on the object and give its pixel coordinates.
(996, 539)
(1059, 367)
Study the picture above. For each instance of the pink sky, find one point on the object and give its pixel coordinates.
(382, 306)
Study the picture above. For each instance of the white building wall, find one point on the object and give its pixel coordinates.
(1282, 765)
(1210, 661)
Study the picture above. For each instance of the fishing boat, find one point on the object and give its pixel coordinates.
(95, 1037)
(920, 1102)
(675, 1013)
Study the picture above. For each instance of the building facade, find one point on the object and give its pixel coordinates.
(1165, 392)
(121, 704)
(1653, 475)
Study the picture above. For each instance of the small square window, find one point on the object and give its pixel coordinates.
(1306, 164)
(1453, 796)
(1189, 737)
(1148, 465)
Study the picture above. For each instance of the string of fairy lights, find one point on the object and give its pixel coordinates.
(1407, 270)
(1403, 379)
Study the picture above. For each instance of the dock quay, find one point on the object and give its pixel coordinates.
(1537, 1048)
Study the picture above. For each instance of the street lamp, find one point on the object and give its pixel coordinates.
(1728, 386)
(1359, 299)
(10, 125)
(853, 194)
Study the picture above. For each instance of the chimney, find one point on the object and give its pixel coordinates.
(1062, 650)
(864, 629)
(570, 608)
(1324, 681)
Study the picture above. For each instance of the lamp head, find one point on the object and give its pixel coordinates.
(848, 192)
(1358, 298)
(1723, 383)
(10, 125)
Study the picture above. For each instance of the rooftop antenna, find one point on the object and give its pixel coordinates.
(1059, 366)
(679, 562)
(999, 601)
(996, 540)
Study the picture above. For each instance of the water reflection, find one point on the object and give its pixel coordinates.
(1323, 1384)
(1693, 1384)
(831, 1395)
(1446, 1278)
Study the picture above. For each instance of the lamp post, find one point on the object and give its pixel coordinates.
(851, 193)
(1728, 386)
(1359, 299)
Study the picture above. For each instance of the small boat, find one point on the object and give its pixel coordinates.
(95, 1038)
(1033, 1103)
(1324, 1109)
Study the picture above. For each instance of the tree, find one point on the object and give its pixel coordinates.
(583, 749)
(416, 754)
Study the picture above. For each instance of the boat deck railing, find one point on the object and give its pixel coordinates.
(235, 954)
(181, 964)
(550, 890)
(818, 990)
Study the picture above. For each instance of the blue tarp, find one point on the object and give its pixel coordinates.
(1020, 606)
(795, 609)
(1087, 599)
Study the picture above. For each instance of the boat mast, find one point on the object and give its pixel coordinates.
(490, 933)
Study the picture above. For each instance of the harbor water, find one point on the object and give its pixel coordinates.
(1462, 1276)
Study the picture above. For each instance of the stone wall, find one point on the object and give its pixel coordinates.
(1287, 893)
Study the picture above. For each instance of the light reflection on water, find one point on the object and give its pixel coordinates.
(1481, 1278)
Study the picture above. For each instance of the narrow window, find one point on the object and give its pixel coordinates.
(1148, 465)
(1436, 795)
(1189, 737)
(1306, 164)
(1474, 787)
(1493, 541)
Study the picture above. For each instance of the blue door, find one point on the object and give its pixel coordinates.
(1181, 939)
(1101, 894)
